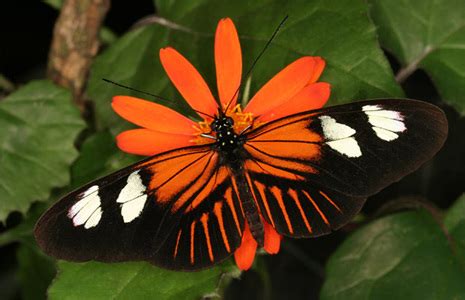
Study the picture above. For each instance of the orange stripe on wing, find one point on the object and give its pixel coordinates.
(172, 175)
(261, 191)
(197, 177)
(316, 207)
(204, 220)
(295, 197)
(192, 242)
(177, 243)
(279, 197)
(330, 201)
(290, 128)
(204, 189)
(229, 201)
(261, 167)
(219, 215)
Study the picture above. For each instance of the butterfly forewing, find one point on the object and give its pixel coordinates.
(176, 210)
(318, 167)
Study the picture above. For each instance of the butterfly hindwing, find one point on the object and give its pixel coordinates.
(330, 160)
(208, 227)
(176, 210)
(298, 209)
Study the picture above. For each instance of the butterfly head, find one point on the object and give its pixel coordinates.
(222, 123)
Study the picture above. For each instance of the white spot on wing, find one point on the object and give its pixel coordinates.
(371, 107)
(385, 134)
(347, 146)
(85, 199)
(340, 137)
(87, 211)
(132, 197)
(94, 219)
(378, 110)
(385, 123)
(334, 130)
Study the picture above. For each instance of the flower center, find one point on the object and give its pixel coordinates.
(241, 120)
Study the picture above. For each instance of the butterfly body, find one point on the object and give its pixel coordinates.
(305, 175)
(229, 146)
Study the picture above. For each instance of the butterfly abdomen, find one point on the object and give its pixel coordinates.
(249, 206)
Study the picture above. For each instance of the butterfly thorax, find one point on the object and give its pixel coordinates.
(227, 139)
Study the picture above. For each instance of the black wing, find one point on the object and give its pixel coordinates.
(177, 210)
(311, 172)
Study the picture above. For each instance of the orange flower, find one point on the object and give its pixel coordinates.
(292, 90)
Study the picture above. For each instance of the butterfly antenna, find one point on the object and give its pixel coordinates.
(258, 57)
(202, 113)
(135, 90)
(149, 94)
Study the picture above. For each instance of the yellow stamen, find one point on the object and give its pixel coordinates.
(241, 119)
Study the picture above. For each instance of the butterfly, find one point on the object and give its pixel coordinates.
(306, 174)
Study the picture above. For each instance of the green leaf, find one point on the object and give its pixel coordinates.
(56, 4)
(134, 281)
(99, 157)
(107, 36)
(402, 256)
(5, 84)
(92, 160)
(38, 126)
(339, 31)
(429, 35)
(23, 231)
(35, 271)
(455, 217)
(455, 225)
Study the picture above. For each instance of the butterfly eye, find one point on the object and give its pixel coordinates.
(228, 121)
(222, 123)
(214, 125)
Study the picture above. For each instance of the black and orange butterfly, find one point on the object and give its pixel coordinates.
(306, 174)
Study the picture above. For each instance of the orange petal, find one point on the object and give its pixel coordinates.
(318, 69)
(228, 61)
(148, 142)
(188, 81)
(313, 96)
(245, 254)
(284, 85)
(272, 239)
(152, 115)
